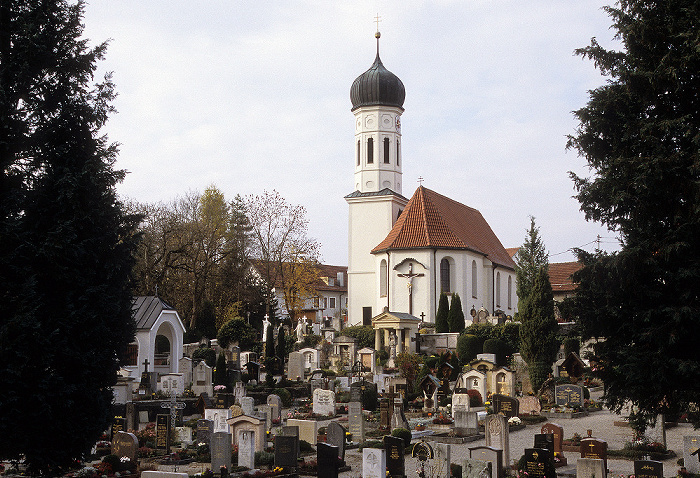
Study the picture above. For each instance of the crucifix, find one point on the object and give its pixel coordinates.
(145, 366)
(410, 276)
(174, 407)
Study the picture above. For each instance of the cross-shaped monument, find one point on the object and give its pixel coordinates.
(410, 276)
(174, 407)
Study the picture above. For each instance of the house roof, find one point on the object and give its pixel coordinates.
(147, 309)
(560, 276)
(512, 251)
(323, 270)
(431, 220)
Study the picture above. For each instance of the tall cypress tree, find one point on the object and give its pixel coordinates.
(270, 342)
(66, 242)
(441, 324)
(455, 318)
(531, 256)
(281, 345)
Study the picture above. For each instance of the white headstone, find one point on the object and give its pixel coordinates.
(324, 402)
(246, 449)
(590, 468)
(247, 405)
(497, 435)
(238, 391)
(373, 463)
(295, 366)
(219, 417)
(460, 399)
(171, 382)
(442, 460)
(202, 379)
(275, 403)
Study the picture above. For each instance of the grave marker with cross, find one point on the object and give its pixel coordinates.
(174, 406)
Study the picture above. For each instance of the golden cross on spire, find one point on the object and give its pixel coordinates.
(377, 19)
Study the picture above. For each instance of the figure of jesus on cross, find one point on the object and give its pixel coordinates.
(410, 276)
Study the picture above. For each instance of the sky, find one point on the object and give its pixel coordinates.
(251, 96)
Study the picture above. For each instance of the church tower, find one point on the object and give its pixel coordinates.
(377, 98)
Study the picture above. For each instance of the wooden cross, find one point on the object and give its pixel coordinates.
(174, 407)
(410, 276)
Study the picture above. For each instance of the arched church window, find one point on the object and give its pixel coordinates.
(397, 152)
(510, 292)
(387, 159)
(474, 289)
(358, 152)
(383, 278)
(445, 275)
(370, 150)
(498, 289)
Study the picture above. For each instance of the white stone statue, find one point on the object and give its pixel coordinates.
(301, 326)
(392, 350)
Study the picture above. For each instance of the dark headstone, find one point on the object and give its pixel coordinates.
(220, 450)
(125, 446)
(537, 461)
(286, 451)
(292, 431)
(118, 425)
(557, 432)
(491, 454)
(204, 430)
(395, 460)
(327, 459)
(648, 469)
(568, 395)
(235, 362)
(508, 406)
(253, 369)
(335, 433)
(595, 448)
(163, 433)
(224, 400)
(545, 441)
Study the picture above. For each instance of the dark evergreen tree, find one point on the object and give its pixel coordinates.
(441, 324)
(270, 342)
(66, 242)
(455, 318)
(221, 372)
(531, 256)
(468, 346)
(639, 134)
(538, 332)
(281, 345)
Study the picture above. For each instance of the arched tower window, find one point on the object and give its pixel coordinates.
(386, 151)
(474, 288)
(445, 275)
(370, 150)
(358, 152)
(397, 152)
(383, 278)
(498, 289)
(510, 292)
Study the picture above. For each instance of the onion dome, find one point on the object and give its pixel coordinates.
(377, 86)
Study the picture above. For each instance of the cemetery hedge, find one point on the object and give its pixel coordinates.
(364, 334)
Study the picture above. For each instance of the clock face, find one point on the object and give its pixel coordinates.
(398, 124)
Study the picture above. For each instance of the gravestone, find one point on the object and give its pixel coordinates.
(466, 423)
(163, 433)
(557, 432)
(490, 454)
(327, 460)
(398, 419)
(235, 362)
(691, 456)
(247, 405)
(335, 434)
(316, 384)
(238, 392)
(497, 436)
(648, 469)
(395, 460)
(536, 462)
(373, 463)
(295, 366)
(530, 405)
(545, 441)
(220, 450)
(308, 429)
(286, 451)
(246, 449)
(324, 403)
(125, 445)
(118, 425)
(356, 391)
(292, 431)
(460, 400)
(568, 395)
(275, 403)
(204, 430)
(508, 406)
(595, 448)
(185, 368)
(356, 421)
(384, 416)
(472, 468)
(183, 435)
(590, 468)
(657, 432)
(442, 460)
(202, 379)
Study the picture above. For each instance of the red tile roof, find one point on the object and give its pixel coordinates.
(323, 270)
(432, 220)
(512, 251)
(560, 276)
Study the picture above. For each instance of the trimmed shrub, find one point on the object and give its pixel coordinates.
(402, 433)
(285, 395)
(499, 348)
(475, 399)
(204, 353)
(468, 346)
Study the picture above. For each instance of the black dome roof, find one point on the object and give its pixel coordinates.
(377, 86)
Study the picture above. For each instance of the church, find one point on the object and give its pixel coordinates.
(403, 253)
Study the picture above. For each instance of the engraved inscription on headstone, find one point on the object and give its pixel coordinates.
(395, 461)
(648, 469)
(568, 395)
(220, 450)
(286, 451)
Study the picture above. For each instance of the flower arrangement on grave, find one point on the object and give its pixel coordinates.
(575, 440)
(219, 388)
(514, 421)
(442, 419)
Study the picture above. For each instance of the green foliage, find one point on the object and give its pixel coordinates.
(408, 365)
(441, 323)
(281, 350)
(370, 398)
(402, 433)
(538, 332)
(499, 348)
(204, 353)
(538, 373)
(237, 330)
(220, 372)
(475, 398)
(364, 334)
(285, 395)
(530, 258)
(270, 342)
(639, 134)
(572, 344)
(468, 346)
(310, 341)
(265, 458)
(66, 241)
(510, 334)
(455, 318)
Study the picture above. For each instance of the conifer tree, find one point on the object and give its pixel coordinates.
(220, 372)
(66, 241)
(441, 324)
(281, 345)
(531, 256)
(270, 342)
(455, 318)
(538, 332)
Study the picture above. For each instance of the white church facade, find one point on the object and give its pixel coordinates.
(403, 253)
